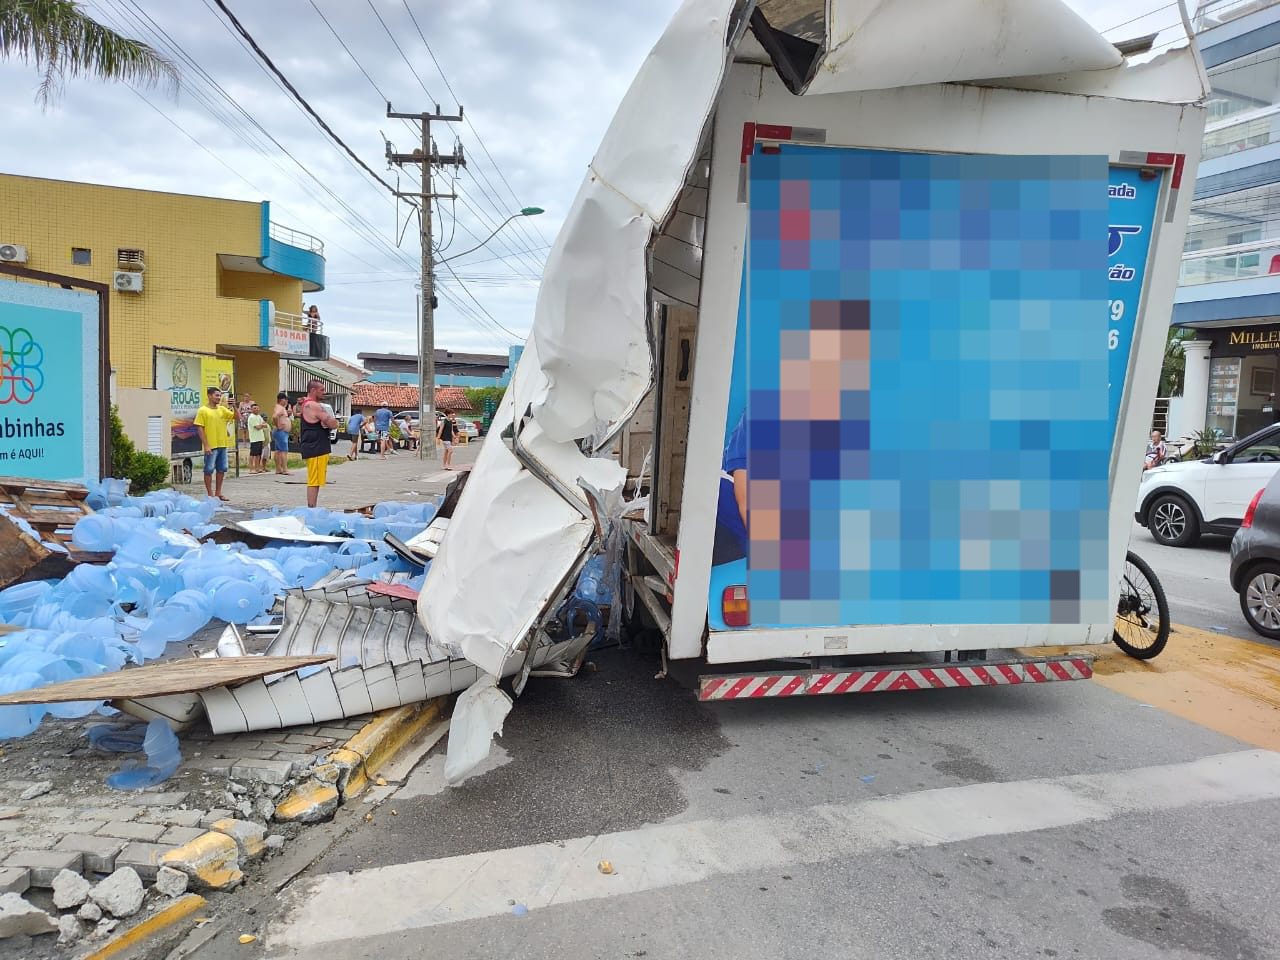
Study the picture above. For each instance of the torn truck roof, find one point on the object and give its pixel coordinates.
(633, 237)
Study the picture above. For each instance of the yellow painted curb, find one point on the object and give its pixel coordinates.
(305, 802)
(210, 860)
(180, 909)
(360, 758)
(382, 737)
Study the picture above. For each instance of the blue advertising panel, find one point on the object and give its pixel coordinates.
(918, 426)
(1131, 213)
(49, 389)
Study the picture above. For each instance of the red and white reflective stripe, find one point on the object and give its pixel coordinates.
(816, 682)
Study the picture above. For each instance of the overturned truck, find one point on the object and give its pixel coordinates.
(847, 349)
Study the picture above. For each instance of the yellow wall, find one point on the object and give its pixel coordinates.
(181, 236)
(258, 374)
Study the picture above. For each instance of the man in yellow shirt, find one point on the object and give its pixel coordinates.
(212, 424)
(257, 425)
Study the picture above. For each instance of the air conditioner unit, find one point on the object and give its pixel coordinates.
(128, 280)
(12, 253)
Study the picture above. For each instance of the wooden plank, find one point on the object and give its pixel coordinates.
(19, 552)
(163, 679)
(77, 491)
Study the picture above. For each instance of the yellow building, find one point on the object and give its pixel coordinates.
(187, 274)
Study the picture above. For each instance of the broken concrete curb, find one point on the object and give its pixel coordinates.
(249, 836)
(309, 802)
(210, 861)
(345, 773)
(70, 890)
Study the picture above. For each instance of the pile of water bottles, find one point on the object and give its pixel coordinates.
(163, 585)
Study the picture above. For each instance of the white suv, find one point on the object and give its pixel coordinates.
(1179, 501)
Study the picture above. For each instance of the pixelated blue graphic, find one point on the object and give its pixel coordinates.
(925, 424)
(1131, 207)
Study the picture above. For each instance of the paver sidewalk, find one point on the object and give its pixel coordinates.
(402, 476)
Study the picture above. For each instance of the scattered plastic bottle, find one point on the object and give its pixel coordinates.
(163, 754)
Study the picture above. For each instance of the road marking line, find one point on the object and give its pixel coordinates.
(431, 892)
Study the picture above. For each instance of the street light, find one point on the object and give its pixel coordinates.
(426, 382)
(524, 212)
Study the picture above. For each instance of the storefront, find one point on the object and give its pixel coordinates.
(1244, 378)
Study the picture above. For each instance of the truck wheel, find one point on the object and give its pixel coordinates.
(1260, 599)
(1172, 521)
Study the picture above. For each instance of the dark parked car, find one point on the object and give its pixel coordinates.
(1255, 561)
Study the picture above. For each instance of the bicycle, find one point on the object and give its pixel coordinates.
(1141, 594)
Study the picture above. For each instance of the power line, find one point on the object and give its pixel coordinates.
(361, 227)
(296, 95)
(480, 140)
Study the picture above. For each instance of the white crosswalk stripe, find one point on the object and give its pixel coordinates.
(432, 892)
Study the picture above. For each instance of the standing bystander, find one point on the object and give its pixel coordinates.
(281, 426)
(382, 422)
(317, 421)
(446, 433)
(212, 423)
(257, 428)
(354, 425)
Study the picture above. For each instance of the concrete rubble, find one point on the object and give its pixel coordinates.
(120, 894)
(19, 918)
(70, 890)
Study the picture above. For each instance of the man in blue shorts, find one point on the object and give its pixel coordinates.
(212, 424)
(382, 423)
(281, 425)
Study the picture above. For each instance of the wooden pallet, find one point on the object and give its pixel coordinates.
(52, 508)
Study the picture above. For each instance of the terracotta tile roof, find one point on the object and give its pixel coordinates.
(452, 398)
(398, 397)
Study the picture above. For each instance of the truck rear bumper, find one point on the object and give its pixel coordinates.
(877, 679)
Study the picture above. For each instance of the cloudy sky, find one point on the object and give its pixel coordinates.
(539, 80)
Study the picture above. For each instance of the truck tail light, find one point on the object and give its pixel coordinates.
(735, 607)
(1253, 505)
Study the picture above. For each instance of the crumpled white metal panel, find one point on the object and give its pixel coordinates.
(879, 44)
(589, 325)
(1172, 77)
(510, 542)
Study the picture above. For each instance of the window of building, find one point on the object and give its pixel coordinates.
(81, 256)
(1245, 84)
(1233, 236)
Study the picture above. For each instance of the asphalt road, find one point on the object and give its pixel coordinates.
(1063, 820)
(1195, 581)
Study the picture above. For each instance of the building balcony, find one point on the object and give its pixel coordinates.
(293, 253)
(1229, 283)
(283, 252)
(292, 334)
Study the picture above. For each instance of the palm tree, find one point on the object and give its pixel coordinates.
(60, 39)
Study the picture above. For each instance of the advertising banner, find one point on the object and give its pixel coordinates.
(1131, 213)
(290, 340)
(918, 426)
(185, 377)
(50, 390)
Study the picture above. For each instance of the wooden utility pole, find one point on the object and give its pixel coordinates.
(426, 158)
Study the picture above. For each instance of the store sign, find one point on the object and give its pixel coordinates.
(186, 377)
(290, 340)
(1248, 340)
(1131, 209)
(50, 394)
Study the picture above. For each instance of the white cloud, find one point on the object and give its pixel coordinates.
(539, 80)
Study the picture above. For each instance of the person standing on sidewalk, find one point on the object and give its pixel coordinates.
(282, 425)
(354, 425)
(446, 433)
(257, 427)
(382, 421)
(317, 421)
(212, 424)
